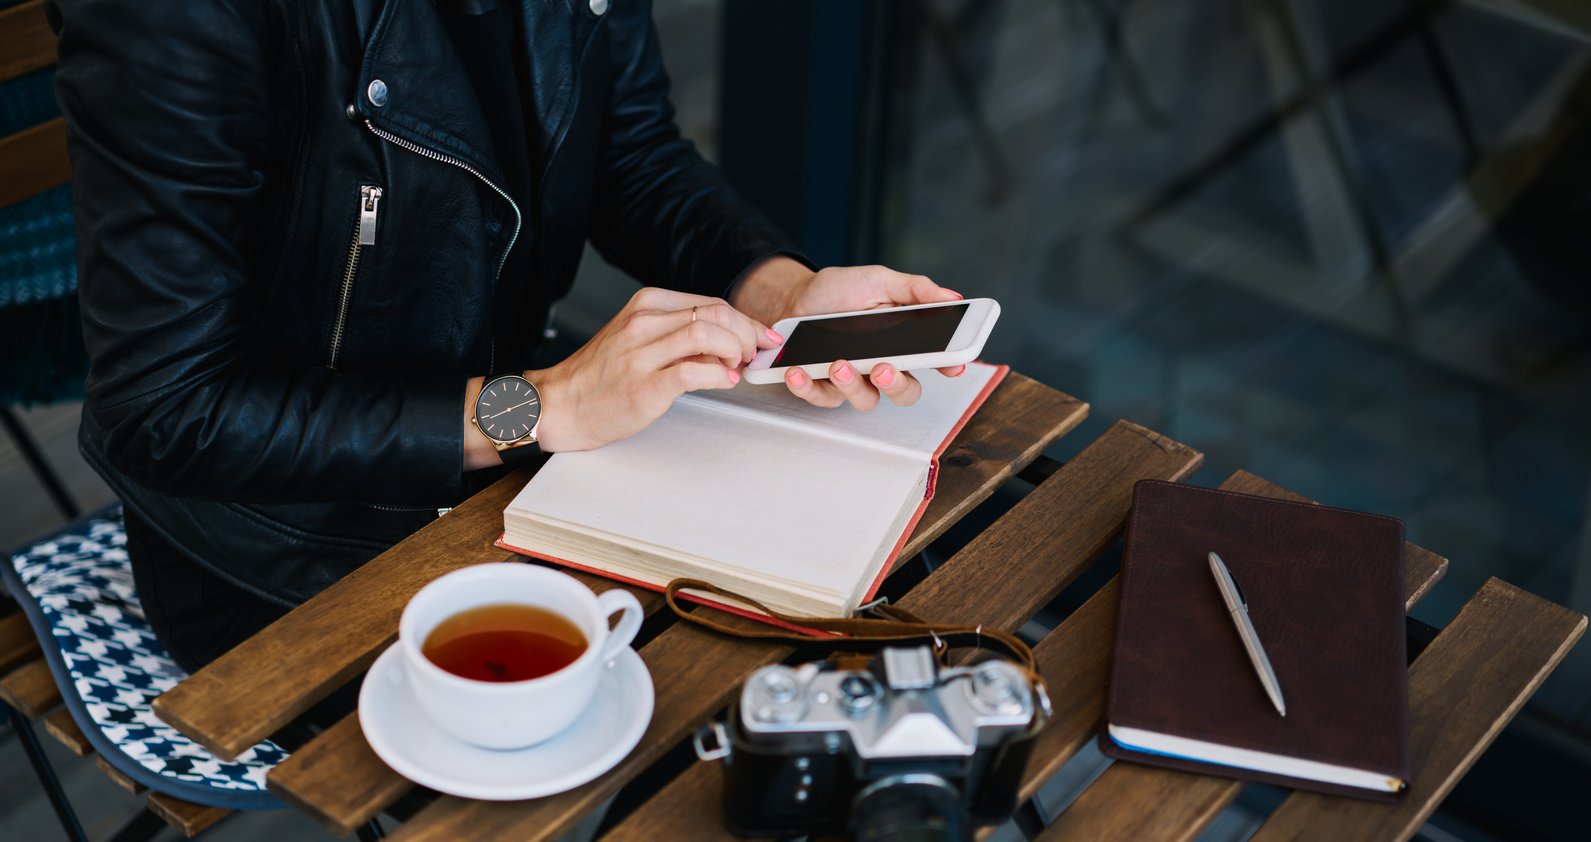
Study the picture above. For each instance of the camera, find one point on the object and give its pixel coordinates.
(902, 749)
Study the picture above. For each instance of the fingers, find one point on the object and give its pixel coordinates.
(953, 370)
(853, 386)
(664, 310)
(691, 339)
(901, 388)
(845, 385)
(693, 376)
(816, 392)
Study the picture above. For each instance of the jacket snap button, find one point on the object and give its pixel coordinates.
(377, 93)
(351, 111)
(599, 6)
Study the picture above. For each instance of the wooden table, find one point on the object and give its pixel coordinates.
(1509, 639)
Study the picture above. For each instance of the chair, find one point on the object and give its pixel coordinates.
(81, 644)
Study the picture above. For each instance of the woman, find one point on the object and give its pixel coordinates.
(309, 231)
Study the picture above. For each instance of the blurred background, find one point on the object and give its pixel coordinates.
(1343, 244)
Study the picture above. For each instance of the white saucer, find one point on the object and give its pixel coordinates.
(407, 740)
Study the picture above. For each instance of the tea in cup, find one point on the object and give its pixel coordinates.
(504, 656)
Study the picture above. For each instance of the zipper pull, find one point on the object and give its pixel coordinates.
(369, 198)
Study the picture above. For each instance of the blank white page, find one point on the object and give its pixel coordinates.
(921, 427)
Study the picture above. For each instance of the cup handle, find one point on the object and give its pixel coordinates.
(613, 601)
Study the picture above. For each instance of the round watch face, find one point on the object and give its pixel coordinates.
(508, 408)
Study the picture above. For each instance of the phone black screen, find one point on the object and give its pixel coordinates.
(891, 333)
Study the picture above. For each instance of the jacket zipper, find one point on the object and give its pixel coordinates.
(438, 156)
(364, 235)
(382, 507)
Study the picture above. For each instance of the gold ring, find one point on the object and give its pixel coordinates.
(693, 314)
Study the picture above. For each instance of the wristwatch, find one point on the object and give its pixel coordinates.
(508, 413)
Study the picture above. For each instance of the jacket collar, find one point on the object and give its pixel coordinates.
(409, 52)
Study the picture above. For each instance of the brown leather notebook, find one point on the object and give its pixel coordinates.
(1324, 589)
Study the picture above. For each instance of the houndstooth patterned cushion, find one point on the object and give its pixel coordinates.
(83, 587)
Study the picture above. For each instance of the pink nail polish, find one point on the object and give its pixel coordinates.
(734, 377)
(842, 374)
(960, 370)
(774, 337)
(798, 377)
(885, 378)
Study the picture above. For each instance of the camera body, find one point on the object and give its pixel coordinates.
(900, 746)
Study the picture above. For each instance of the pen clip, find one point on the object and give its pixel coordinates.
(1224, 573)
(1239, 588)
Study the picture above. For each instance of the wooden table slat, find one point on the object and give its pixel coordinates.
(338, 780)
(18, 644)
(31, 689)
(188, 818)
(1009, 571)
(1135, 801)
(26, 42)
(1467, 685)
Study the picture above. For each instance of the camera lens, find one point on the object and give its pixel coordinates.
(914, 807)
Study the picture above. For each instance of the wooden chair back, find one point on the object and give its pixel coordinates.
(34, 159)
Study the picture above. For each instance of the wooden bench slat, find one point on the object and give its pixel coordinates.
(1134, 801)
(188, 818)
(33, 161)
(64, 728)
(31, 689)
(18, 644)
(26, 42)
(1467, 685)
(116, 776)
(1043, 542)
(342, 784)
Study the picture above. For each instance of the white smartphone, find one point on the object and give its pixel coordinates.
(909, 338)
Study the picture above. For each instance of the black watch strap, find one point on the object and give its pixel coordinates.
(522, 455)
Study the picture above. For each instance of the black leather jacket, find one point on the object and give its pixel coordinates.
(276, 388)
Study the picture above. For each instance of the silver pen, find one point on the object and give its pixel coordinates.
(1238, 608)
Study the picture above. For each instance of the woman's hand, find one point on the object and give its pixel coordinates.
(661, 345)
(781, 288)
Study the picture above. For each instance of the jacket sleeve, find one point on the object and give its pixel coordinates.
(662, 213)
(168, 106)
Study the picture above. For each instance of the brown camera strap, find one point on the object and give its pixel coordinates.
(893, 626)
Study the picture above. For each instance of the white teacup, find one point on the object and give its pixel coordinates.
(513, 714)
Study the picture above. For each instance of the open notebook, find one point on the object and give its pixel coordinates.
(752, 490)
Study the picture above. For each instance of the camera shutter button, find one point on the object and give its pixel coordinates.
(774, 695)
(780, 688)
